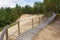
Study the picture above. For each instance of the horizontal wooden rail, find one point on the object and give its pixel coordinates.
(30, 18)
(5, 30)
(28, 35)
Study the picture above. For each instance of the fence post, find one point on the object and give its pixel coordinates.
(32, 22)
(39, 20)
(7, 34)
(42, 19)
(45, 18)
(18, 28)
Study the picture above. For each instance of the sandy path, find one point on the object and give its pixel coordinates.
(24, 25)
(52, 32)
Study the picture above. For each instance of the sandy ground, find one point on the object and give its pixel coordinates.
(25, 24)
(51, 32)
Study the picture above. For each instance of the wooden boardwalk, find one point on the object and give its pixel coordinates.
(32, 32)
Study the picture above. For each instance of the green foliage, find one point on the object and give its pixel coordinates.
(52, 5)
(28, 9)
(38, 7)
(9, 15)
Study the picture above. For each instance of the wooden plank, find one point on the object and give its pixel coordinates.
(28, 35)
(3, 32)
(32, 23)
(39, 20)
(18, 28)
(7, 34)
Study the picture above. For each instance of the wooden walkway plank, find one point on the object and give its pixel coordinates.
(32, 32)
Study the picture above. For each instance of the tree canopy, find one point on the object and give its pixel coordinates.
(9, 15)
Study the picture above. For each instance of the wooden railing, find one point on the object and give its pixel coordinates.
(5, 30)
(44, 25)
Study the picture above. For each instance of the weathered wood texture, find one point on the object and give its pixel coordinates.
(32, 32)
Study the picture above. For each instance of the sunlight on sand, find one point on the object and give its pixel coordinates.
(52, 32)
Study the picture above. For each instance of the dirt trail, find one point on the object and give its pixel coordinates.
(51, 32)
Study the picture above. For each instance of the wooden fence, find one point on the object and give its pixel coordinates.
(5, 32)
